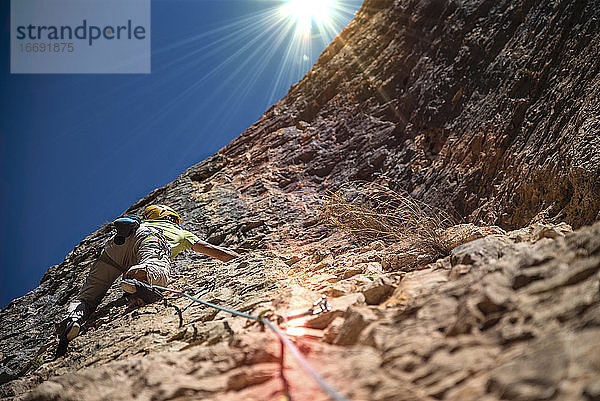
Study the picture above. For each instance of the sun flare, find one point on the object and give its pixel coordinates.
(278, 39)
(307, 12)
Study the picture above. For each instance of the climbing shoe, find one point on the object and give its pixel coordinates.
(141, 290)
(68, 328)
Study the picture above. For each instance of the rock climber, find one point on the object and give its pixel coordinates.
(142, 254)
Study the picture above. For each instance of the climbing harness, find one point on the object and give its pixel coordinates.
(163, 243)
(319, 306)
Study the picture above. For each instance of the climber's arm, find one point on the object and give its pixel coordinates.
(214, 251)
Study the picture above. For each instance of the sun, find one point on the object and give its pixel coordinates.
(307, 12)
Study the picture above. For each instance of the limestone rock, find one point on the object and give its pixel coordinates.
(463, 233)
(355, 320)
(487, 110)
(534, 373)
(378, 291)
(479, 251)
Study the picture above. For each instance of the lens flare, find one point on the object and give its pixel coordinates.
(305, 12)
(296, 331)
(255, 55)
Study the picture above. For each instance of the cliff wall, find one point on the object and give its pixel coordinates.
(486, 109)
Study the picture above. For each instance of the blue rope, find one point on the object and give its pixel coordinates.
(304, 364)
(224, 309)
(333, 393)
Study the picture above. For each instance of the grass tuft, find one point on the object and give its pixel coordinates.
(371, 212)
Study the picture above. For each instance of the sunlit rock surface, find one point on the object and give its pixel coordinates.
(486, 109)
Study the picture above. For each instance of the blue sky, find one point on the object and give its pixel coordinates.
(77, 150)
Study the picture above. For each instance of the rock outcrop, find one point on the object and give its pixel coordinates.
(485, 109)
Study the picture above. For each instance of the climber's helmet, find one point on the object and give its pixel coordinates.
(161, 212)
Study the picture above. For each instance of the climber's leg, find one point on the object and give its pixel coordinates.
(153, 269)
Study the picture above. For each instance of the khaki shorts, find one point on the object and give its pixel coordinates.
(144, 256)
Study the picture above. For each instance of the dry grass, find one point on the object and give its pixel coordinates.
(370, 212)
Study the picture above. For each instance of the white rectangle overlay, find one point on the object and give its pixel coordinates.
(80, 36)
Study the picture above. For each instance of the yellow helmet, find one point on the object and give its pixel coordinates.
(161, 212)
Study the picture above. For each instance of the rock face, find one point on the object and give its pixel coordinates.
(486, 109)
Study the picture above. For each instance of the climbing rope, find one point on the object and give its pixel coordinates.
(333, 393)
(283, 339)
(224, 309)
